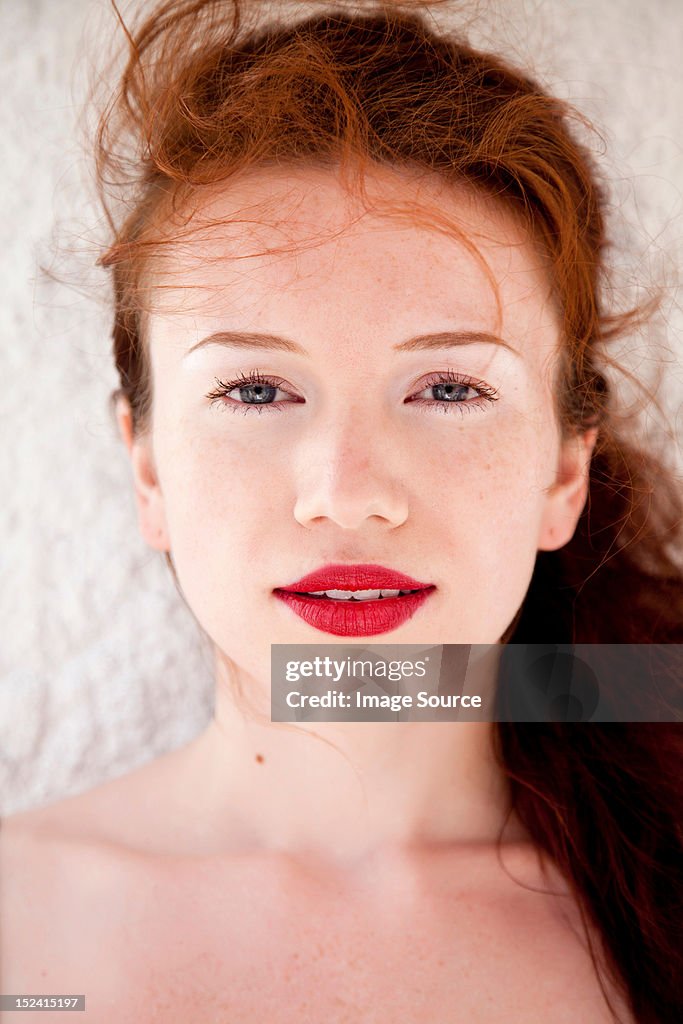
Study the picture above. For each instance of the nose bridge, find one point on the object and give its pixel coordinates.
(347, 473)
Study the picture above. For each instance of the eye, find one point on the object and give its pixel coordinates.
(450, 393)
(255, 391)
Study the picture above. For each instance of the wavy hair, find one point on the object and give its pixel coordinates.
(210, 89)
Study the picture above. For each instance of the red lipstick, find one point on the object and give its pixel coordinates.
(361, 613)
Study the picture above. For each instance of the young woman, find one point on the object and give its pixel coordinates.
(361, 333)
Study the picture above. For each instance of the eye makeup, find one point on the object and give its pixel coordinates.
(263, 388)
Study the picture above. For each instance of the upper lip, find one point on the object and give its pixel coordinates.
(355, 577)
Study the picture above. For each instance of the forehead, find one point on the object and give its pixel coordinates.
(296, 238)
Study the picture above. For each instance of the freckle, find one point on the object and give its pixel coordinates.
(259, 758)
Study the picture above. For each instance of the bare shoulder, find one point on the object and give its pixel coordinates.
(51, 898)
(108, 812)
(69, 869)
(100, 836)
(66, 852)
(524, 934)
(71, 877)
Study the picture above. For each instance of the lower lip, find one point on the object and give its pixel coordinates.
(355, 618)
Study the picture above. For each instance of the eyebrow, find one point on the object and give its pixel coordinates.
(442, 339)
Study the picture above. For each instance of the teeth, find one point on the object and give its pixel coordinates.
(358, 595)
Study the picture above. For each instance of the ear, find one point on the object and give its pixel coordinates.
(148, 496)
(566, 498)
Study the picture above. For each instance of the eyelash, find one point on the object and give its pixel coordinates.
(255, 377)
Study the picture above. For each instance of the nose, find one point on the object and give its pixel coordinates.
(349, 473)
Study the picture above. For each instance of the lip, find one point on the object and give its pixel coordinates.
(355, 618)
(355, 577)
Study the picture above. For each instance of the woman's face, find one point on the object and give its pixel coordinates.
(458, 489)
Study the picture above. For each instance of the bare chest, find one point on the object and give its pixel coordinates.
(326, 969)
(253, 944)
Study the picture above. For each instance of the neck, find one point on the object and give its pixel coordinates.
(343, 790)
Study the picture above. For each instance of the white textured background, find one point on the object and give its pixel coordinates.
(101, 665)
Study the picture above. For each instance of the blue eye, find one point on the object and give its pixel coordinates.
(449, 389)
(257, 392)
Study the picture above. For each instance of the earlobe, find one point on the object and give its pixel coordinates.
(148, 496)
(566, 498)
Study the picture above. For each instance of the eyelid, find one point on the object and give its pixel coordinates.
(248, 379)
(453, 376)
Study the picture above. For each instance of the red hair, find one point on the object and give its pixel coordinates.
(209, 92)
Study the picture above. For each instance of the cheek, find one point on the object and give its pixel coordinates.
(221, 499)
(491, 481)
(483, 505)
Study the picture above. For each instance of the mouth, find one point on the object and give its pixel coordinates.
(355, 600)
